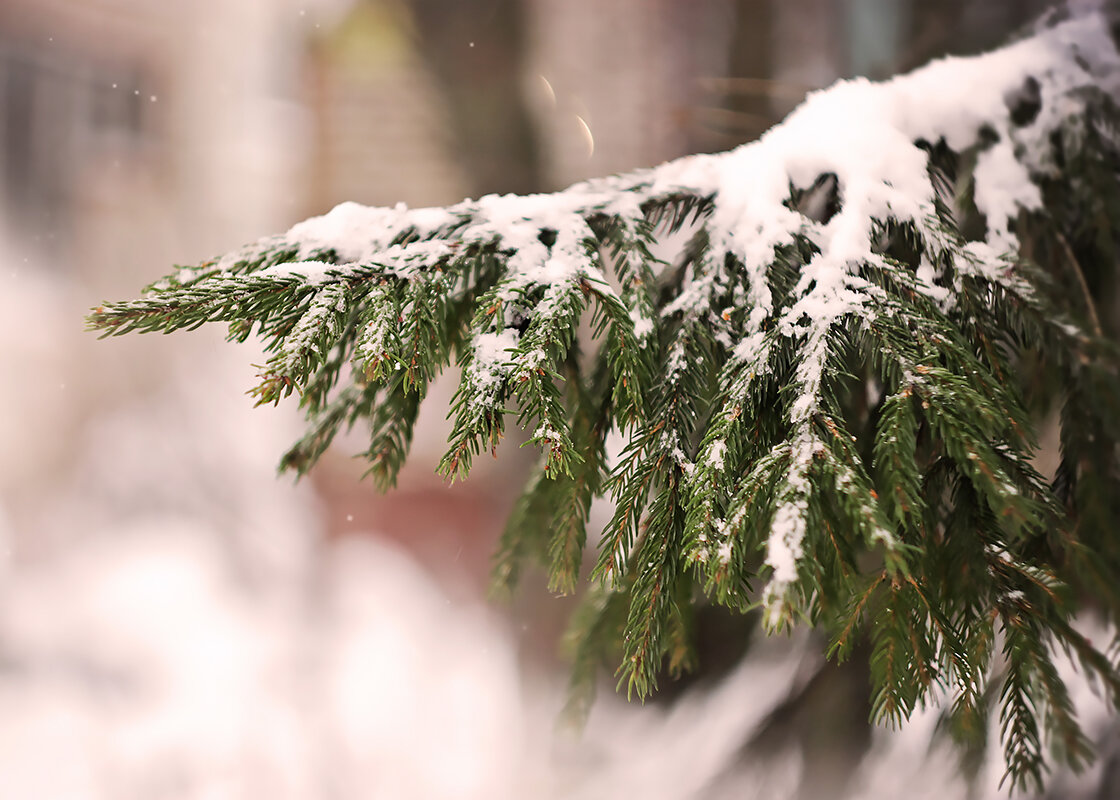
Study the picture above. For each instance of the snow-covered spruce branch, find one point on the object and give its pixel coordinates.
(828, 396)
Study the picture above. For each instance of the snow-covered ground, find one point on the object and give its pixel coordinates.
(171, 624)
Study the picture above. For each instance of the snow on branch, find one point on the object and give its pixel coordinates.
(817, 392)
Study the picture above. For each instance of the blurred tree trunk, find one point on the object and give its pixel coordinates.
(752, 57)
(936, 27)
(476, 48)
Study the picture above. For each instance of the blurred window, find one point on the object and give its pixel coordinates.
(56, 114)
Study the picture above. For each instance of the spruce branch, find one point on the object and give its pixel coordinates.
(826, 409)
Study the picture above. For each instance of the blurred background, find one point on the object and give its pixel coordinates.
(176, 621)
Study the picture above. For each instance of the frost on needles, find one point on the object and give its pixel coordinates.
(826, 355)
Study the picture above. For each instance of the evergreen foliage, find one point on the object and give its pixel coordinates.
(818, 370)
